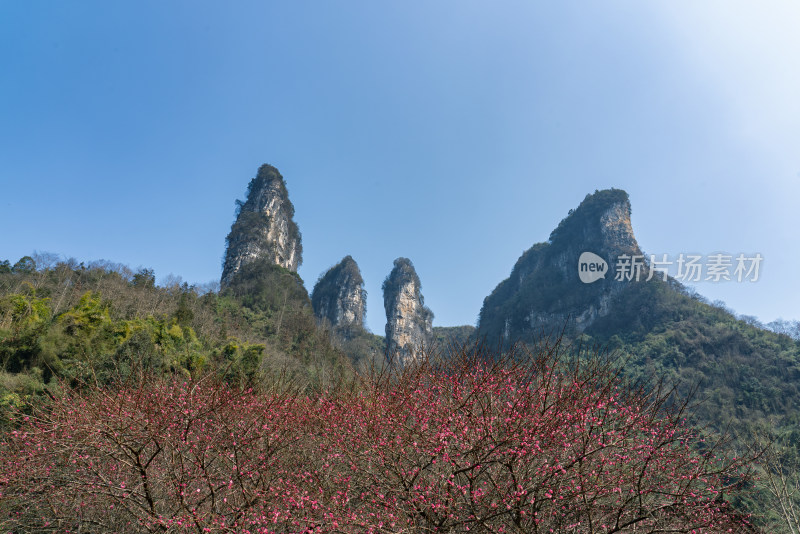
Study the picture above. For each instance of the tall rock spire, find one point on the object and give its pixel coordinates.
(264, 227)
(339, 296)
(409, 323)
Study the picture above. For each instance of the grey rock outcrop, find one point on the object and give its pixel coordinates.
(264, 227)
(545, 290)
(339, 296)
(409, 323)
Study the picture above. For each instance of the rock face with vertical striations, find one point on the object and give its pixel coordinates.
(264, 227)
(547, 289)
(409, 323)
(339, 296)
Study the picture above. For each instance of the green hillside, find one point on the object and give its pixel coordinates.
(102, 322)
(744, 379)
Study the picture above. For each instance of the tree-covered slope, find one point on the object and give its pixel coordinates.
(101, 323)
(748, 374)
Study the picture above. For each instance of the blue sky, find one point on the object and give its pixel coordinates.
(455, 133)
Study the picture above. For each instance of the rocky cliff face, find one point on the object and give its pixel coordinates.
(339, 296)
(571, 277)
(409, 323)
(264, 227)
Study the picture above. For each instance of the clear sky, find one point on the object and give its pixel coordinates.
(456, 133)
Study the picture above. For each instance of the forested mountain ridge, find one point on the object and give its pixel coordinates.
(745, 377)
(661, 327)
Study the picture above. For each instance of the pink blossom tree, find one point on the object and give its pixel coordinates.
(523, 443)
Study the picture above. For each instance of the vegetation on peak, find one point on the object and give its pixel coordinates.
(589, 211)
(402, 273)
(403, 269)
(347, 267)
(268, 176)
